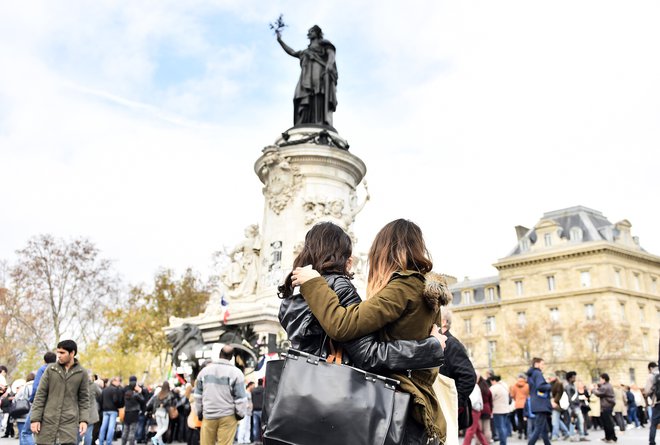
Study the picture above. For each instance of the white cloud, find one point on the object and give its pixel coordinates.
(471, 118)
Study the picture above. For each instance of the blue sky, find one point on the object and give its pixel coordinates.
(137, 123)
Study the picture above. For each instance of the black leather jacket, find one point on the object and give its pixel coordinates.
(368, 352)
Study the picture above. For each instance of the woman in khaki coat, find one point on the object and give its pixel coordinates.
(403, 302)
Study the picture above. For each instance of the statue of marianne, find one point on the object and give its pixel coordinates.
(315, 98)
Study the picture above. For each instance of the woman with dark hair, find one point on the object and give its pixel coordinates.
(328, 249)
(160, 404)
(403, 302)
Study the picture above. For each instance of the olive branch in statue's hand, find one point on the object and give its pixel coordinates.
(278, 25)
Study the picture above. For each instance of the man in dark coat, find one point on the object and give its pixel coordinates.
(458, 366)
(605, 392)
(60, 412)
(539, 393)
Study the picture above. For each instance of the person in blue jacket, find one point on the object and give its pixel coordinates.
(540, 406)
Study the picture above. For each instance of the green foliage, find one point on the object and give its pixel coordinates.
(145, 314)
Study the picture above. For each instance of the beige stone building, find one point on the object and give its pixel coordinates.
(576, 290)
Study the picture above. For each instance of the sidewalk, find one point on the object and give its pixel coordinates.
(630, 437)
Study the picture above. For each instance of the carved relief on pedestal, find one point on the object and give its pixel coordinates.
(320, 209)
(272, 265)
(281, 180)
(241, 273)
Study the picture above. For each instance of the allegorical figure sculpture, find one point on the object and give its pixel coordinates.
(315, 98)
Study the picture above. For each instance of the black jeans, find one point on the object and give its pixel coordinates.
(655, 420)
(539, 429)
(608, 423)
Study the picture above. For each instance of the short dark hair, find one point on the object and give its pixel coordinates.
(260, 382)
(652, 365)
(50, 357)
(536, 361)
(3, 368)
(605, 376)
(68, 346)
(249, 385)
(227, 352)
(570, 374)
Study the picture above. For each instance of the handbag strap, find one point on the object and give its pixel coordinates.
(335, 353)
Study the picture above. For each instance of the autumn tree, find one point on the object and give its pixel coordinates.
(527, 339)
(144, 315)
(597, 347)
(63, 287)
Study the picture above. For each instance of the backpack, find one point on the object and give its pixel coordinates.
(656, 387)
(476, 399)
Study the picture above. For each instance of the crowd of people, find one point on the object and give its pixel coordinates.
(67, 404)
(558, 407)
(393, 332)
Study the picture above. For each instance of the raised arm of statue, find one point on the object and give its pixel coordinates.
(290, 51)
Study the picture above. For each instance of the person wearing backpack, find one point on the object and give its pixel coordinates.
(559, 404)
(539, 391)
(652, 391)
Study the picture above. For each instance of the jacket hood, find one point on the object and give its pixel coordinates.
(531, 371)
(521, 382)
(436, 291)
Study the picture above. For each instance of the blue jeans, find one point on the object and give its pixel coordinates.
(577, 412)
(89, 434)
(140, 435)
(632, 415)
(25, 436)
(107, 432)
(655, 420)
(558, 424)
(539, 429)
(500, 421)
(256, 426)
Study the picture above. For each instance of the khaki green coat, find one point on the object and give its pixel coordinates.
(61, 403)
(404, 310)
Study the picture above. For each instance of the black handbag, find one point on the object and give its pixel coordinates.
(318, 402)
(19, 408)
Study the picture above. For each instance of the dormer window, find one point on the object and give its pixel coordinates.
(548, 239)
(524, 245)
(576, 234)
(467, 296)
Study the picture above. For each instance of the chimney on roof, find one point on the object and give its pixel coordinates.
(521, 231)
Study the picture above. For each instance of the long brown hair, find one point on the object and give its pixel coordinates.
(164, 390)
(327, 248)
(398, 246)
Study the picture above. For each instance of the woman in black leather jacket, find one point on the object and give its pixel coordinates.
(328, 249)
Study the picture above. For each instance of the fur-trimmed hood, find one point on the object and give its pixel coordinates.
(436, 291)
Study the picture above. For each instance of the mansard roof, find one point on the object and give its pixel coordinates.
(592, 225)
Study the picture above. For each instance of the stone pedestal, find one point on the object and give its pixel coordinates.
(308, 176)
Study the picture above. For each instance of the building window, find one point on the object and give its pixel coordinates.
(557, 345)
(524, 245)
(548, 239)
(490, 324)
(585, 278)
(468, 325)
(622, 311)
(468, 349)
(519, 288)
(589, 311)
(645, 342)
(492, 348)
(654, 285)
(551, 282)
(554, 314)
(522, 319)
(617, 277)
(467, 296)
(642, 319)
(631, 375)
(636, 282)
(592, 339)
(576, 234)
(490, 292)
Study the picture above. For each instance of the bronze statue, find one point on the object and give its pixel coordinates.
(315, 98)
